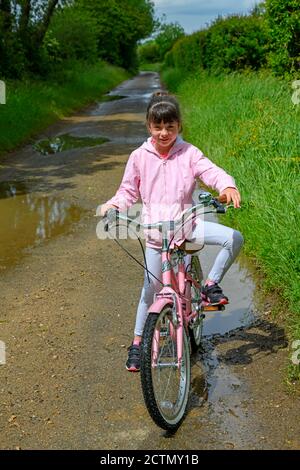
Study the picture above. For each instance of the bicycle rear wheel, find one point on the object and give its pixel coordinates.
(197, 327)
(165, 386)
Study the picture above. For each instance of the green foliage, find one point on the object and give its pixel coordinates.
(12, 54)
(32, 105)
(37, 37)
(168, 34)
(151, 67)
(148, 52)
(235, 43)
(13, 62)
(72, 35)
(173, 77)
(283, 17)
(247, 124)
(188, 52)
(23, 25)
(120, 24)
(268, 37)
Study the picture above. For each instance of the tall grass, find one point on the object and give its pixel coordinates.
(31, 106)
(248, 125)
(156, 67)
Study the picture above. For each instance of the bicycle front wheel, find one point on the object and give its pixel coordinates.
(165, 385)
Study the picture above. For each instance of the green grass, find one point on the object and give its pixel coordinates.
(248, 125)
(155, 67)
(33, 105)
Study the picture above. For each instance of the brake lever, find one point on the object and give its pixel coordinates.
(220, 209)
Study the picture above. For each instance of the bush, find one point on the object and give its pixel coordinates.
(12, 57)
(148, 52)
(72, 35)
(235, 43)
(283, 17)
(188, 52)
(229, 44)
(167, 37)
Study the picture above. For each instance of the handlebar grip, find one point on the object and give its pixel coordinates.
(220, 209)
(110, 216)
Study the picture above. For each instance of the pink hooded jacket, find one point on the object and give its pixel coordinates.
(166, 185)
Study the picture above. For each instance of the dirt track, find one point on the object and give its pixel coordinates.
(68, 308)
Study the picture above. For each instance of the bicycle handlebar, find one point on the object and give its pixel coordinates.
(206, 200)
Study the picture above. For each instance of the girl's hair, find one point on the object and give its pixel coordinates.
(163, 107)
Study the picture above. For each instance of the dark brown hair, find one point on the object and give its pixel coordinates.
(163, 107)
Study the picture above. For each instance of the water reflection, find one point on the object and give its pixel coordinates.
(66, 142)
(29, 219)
(12, 188)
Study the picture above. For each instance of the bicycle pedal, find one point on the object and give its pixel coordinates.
(214, 308)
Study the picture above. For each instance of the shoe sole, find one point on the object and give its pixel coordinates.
(132, 369)
(221, 302)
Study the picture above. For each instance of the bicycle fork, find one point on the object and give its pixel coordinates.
(169, 297)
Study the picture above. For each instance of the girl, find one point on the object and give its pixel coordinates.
(162, 172)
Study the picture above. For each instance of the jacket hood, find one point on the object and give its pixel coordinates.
(178, 145)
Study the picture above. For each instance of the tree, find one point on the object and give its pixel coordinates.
(23, 26)
(72, 34)
(283, 17)
(148, 52)
(38, 34)
(120, 24)
(236, 42)
(6, 15)
(168, 34)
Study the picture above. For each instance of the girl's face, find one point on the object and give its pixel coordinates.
(164, 134)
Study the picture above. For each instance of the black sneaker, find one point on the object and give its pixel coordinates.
(133, 363)
(214, 295)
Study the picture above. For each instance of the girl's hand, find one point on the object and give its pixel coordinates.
(232, 195)
(102, 210)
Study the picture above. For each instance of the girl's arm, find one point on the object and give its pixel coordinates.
(215, 177)
(128, 192)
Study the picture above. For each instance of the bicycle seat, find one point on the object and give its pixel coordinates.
(189, 250)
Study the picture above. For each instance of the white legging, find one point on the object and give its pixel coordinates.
(210, 233)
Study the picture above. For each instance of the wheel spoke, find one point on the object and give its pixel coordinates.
(169, 382)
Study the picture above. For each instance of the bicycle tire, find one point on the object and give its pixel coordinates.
(196, 331)
(169, 412)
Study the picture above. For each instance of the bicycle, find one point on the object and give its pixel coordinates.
(173, 328)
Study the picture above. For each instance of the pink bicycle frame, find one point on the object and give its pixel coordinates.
(176, 293)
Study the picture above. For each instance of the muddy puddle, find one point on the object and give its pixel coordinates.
(66, 142)
(214, 383)
(28, 219)
(112, 97)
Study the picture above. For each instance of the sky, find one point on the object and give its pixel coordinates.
(193, 15)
